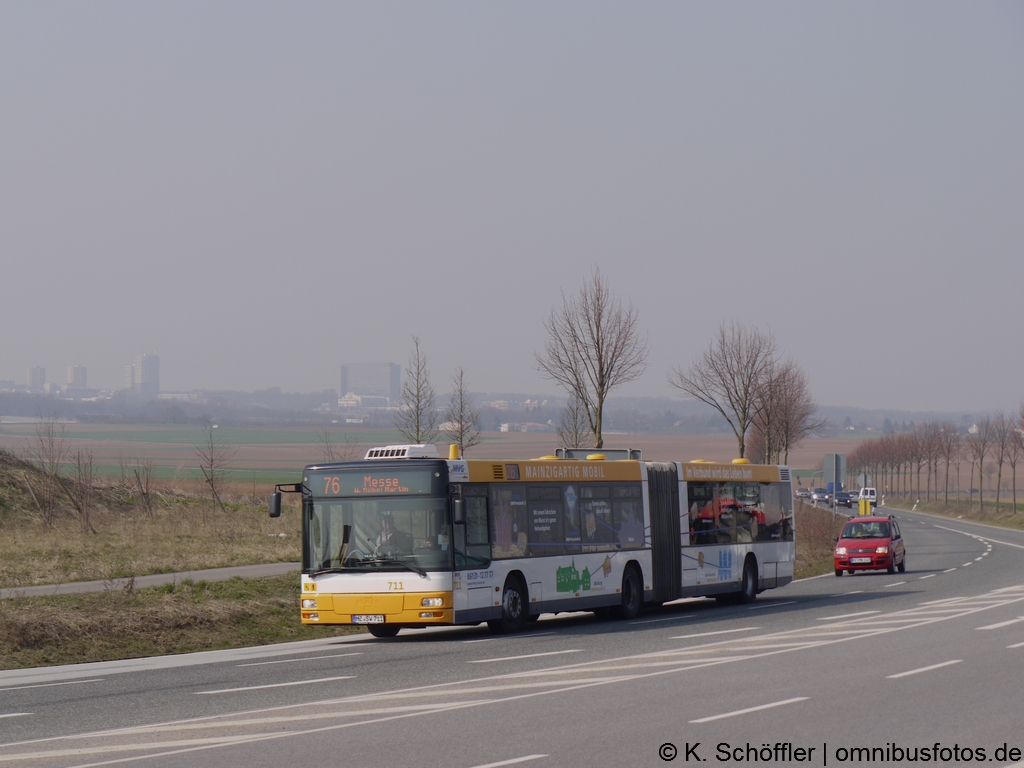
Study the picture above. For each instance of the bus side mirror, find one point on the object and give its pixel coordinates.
(275, 504)
(458, 512)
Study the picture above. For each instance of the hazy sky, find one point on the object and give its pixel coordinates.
(260, 192)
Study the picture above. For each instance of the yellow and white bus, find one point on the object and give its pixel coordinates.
(405, 538)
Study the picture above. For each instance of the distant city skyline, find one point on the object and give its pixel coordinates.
(261, 193)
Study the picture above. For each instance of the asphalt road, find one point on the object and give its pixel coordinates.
(928, 659)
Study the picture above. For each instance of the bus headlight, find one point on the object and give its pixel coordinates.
(309, 603)
(314, 617)
(432, 602)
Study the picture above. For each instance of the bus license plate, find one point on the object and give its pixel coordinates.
(368, 618)
(859, 560)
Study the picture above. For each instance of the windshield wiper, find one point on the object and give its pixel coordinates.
(332, 569)
(399, 563)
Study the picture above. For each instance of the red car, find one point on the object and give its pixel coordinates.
(870, 543)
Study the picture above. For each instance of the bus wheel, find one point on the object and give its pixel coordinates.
(748, 593)
(514, 608)
(632, 594)
(383, 630)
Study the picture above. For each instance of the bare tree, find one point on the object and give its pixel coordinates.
(462, 416)
(143, 476)
(48, 451)
(1014, 453)
(729, 376)
(593, 346)
(951, 450)
(416, 418)
(573, 428)
(1003, 434)
(82, 464)
(214, 457)
(332, 450)
(979, 443)
(784, 414)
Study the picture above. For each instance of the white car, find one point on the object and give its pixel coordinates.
(869, 494)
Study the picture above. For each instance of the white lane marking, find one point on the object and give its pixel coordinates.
(855, 592)
(276, 685)
(949, 570)
(1016, 645)
(966, 564)
(848, 616)
(924, 669)
(772, 605)
(17, 714)
(50, 685)
(929, 576)
(983, 538)
(536, 634)
(1002, 624)
(895, 584)
(977, 559)
(665, 618)
(750, 709)
(289, 661)
(481, 640)
(513, 761)
(525, 656)
(708, 634)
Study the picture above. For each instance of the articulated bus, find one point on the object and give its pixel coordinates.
(405, 538)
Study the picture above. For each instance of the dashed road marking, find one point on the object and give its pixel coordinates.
(924, 669)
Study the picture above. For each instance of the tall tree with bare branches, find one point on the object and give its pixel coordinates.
(979, 443)
(1003, 434)
(729, 376)
(785, 412)
(462, 416)
(416, 418)
(594, 345)
(951, 446)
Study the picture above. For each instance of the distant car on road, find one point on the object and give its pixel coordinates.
(821, 495)
(870, 543)
(843, 499)
(803, 493)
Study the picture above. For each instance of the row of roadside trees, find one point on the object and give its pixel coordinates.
(928, 461)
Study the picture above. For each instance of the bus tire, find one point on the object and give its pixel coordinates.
(632, 594)
(748, 587)
(383, 630)
(514, 608)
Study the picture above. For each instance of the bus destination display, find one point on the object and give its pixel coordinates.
(375, 482)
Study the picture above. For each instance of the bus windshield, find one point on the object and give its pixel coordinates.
(402, 533)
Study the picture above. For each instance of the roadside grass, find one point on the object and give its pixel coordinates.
(816, 530)
(1003, 517)
(129, 623)
(184, 531)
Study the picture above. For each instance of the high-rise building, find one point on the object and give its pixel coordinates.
(142, 378)
(36, 378)
(376, 380)
(77, 377)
